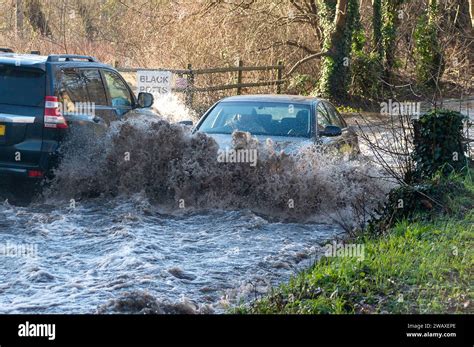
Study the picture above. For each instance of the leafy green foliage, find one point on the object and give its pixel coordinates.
(301, 83)
(439, 144)
(365, 74)
(348, 109)
(420, 201)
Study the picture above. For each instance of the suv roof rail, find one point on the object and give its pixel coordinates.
(70, 57)
(6, 50)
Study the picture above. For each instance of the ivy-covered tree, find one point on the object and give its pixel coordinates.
(429, 64)
(377, 27)
(391, 19)
(339, 20)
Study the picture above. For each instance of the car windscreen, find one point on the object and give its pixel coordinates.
(259, 118)
(22, 86)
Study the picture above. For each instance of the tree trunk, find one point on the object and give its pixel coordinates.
(335, 63)
(377, 26)
(19, 18)
(340, 25)
(471, 11)
(391, 23)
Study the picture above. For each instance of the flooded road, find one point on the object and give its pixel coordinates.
(105, 252)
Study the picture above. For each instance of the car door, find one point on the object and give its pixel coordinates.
(322, 121)
(121, 98)
(82, 94)
(83, 97)
(348, 136)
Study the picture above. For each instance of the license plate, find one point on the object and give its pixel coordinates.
(2, 130)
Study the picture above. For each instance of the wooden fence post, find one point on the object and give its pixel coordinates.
(239, 77)
(280, 76)
(190, 87)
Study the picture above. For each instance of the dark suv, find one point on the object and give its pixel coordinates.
(43, 97)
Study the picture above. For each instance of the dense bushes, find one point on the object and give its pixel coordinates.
(421, 201)
(439, 144)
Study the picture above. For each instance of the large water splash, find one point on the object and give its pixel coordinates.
(177, 169)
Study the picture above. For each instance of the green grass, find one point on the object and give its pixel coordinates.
(424, 266)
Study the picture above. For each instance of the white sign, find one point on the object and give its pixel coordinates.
(154, 82)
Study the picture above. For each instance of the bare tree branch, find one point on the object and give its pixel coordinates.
(304, 60)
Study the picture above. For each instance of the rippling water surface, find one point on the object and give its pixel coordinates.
(91, 257)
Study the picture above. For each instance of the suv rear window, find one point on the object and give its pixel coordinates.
(22, 86)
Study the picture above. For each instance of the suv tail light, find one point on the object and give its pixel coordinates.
(52, 114)
(35, 173)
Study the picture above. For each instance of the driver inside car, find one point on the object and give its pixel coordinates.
(246, 122)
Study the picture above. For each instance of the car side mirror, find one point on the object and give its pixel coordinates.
(331, 130)
(186, 122)
(145, 100)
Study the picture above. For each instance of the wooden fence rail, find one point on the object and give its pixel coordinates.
(191, 74)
